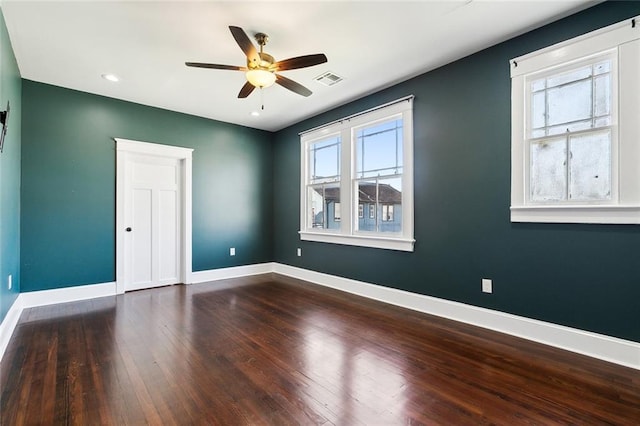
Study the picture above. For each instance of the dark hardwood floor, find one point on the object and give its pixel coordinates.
(272, 350)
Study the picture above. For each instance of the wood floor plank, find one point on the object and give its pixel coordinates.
(271, 350)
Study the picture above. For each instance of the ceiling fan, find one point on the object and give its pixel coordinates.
(261, 70)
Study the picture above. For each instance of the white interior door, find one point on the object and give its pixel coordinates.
(153, 238)
(153, 218)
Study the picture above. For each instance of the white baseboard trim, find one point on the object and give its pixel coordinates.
(611, 349)
(232, 272)
(9, 324)
(32, 299)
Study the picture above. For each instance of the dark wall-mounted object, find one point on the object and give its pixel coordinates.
(4, 121)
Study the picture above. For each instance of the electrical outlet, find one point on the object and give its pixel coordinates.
(232, 251)
(9, 282)
(487, 286)
(299, 252)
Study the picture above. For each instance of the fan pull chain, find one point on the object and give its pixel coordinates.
(262, 98)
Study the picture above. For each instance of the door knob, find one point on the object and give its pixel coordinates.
(128, 229)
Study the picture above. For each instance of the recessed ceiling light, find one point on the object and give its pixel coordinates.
(255, 113)
(111, 77)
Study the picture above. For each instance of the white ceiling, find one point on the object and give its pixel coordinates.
(371, 45)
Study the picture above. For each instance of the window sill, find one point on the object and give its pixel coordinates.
(620, 214)
(400, 244)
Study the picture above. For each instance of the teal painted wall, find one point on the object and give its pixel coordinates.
(10, 90)
(68, 185)
(583, 276)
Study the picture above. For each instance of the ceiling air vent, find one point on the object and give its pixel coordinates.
(328, 78)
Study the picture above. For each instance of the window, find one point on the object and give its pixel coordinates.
(575, 136)
(387, 213)
(362, 162)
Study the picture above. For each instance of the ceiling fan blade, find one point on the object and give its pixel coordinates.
(301, 62)
(292, 85)
(215, 66)
(245, 43)
(246, 90)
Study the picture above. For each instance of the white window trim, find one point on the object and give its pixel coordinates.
(347, 233)
(624, 206)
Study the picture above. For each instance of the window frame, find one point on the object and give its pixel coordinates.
(624, 205)
(348, 234)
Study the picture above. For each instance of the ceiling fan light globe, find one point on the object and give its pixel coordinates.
(261, 78)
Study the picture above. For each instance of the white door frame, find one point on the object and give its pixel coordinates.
(184, 155)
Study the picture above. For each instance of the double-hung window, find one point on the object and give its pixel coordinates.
(575, 131)
(357, 179)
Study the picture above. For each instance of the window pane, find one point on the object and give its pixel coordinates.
(548, 170)
(538, 110)
(568, 77)
(367, 198)
(379, 149)
(538, 85)
(572, 101)
(569, 103)
(590, 166)
(324, 161)
(603, 95)
(382, 198)
(603, 121)
(538, 133)
(322, 206)
(390, 195)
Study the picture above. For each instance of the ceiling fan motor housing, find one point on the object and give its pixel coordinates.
(266, 62)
